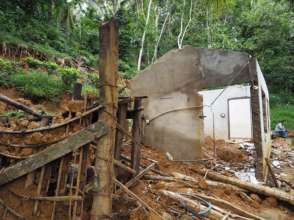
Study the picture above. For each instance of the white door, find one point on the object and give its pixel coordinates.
(240, 122)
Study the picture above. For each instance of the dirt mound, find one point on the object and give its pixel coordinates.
(225, 151)
(231, 153)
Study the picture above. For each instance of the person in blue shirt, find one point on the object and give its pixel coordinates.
(280, 130)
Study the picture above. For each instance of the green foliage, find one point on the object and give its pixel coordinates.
(69, 75)
(38, 85)
(13, 114)
(51, 67)
(59, 29)
(282, 112)
(33, 63)
(126, 70)
(6, 69)
(90, 89)
(281, 98)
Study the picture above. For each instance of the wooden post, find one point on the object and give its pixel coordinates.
(121, 118)
(102, 196)
(136, 130)
(77, 91)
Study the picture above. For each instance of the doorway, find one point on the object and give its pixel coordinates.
(240, 120)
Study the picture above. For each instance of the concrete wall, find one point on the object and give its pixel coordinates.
(220, 109)
(262, 132)
(173, 107)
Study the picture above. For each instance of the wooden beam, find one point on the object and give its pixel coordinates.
(53, 152)
(131, 182)
(272, 172)
(123, 166)
(108, 74)
(136, 130)
(20, 106)
(121, 118)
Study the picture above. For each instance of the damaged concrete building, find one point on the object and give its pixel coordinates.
(176, 111)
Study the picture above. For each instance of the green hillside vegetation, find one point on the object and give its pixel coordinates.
(39, 33)
(44, 80)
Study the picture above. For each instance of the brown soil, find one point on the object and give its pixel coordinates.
(149, 191)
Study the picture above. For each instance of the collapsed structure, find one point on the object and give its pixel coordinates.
(175, 112)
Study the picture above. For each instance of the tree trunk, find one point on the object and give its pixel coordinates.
(102, 196)
(264, 190)
(143, 36)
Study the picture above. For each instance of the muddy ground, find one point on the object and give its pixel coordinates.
(230, 159)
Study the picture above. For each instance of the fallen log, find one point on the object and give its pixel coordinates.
(211, 214)
(123, 166)
(167, 179)
(20, 106)
(227, 205)
(264, 190)
(137, 177)
(208, 182)
(53, 152)
(126, 190)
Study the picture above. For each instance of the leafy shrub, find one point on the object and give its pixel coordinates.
(89, 89)
(38, 85)
(126, 70)
(14, 114)
(35, 63)
(92, 78)
(281, 99)
(6, 69)
(69, 75)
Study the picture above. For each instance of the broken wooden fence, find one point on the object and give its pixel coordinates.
(60, 175)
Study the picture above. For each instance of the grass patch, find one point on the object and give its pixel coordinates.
(38, 85)
(282, 112)
(13, 114)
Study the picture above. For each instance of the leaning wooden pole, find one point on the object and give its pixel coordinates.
(108, 73)
(20, 106)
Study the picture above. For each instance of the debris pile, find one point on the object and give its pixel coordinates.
(176, 190)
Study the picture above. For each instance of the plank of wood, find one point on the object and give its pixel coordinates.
(121, 118)
(125, 167)
(132, 181)
(136, 130)
(53, 152)
(272, 172)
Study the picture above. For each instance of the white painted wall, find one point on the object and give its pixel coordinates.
(216, 103)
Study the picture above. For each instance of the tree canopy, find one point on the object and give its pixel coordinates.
(150, 28)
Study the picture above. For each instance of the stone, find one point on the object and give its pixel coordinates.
(166, 216)
(33, 125)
